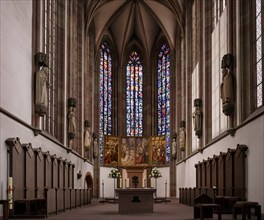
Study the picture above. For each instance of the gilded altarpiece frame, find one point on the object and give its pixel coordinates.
(134, 151)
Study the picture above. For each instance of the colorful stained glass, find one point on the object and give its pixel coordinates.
(134, 98)
(105, 95)
(164, 95)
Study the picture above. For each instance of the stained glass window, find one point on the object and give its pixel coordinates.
(259, 77)
(49, 42)
(134, 96)
(164, 95)
(105, 94)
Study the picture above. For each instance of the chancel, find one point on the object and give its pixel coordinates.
(131, 107)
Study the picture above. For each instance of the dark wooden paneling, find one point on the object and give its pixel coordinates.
(221, 174)
(29, 171)
(229, 172)
(239, 171)
(39, 180)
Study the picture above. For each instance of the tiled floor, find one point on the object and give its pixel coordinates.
(162, 211)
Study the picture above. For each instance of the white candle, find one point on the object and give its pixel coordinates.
(10, 192)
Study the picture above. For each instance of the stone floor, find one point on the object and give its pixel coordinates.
(105, 211)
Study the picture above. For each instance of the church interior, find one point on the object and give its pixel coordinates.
(100, 98)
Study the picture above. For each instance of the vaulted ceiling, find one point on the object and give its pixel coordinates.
(135, 21)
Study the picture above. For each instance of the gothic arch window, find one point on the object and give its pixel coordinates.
(259, 48)
(134, 96)
(164, 95)
(106, 92)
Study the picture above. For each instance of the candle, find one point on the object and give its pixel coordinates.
(10, 192)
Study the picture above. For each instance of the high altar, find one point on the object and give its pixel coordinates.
(135, 200)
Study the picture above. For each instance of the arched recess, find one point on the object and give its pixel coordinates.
(88, 182)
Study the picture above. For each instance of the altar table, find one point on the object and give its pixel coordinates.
(135, 200)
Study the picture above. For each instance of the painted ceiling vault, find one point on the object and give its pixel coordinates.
(128, 21)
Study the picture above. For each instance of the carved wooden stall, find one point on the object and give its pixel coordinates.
(199, 174)
(221, 178)
(39, 180)
(43, 184)
(203, 174)
(229, 173)
(239, 171)
(215, 171)
(47, 170)
(221, 174)
(209, 172)
(17, 170)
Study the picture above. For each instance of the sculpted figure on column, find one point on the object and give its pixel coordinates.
(42, 90)
(182, 137)
(87, 137)
(71, 122)
(227, 85)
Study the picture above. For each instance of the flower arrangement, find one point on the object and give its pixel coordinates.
(114, 173)
(155, 173)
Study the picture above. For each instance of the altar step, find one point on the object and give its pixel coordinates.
(108, 200)
(115, 200)
(161, 200)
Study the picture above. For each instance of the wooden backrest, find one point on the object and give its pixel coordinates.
(47, 170)
(239, 171)
(39, 180)
(17, 168)
(203, 198)
(229, 172)
(215, 171)
(221, 174)
(209, 172)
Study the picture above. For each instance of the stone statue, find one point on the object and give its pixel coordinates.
(182, 139)
(95, 143)
(174, 148)
(197, 120)
(87, 138)
(197, 117)
(227, 85)
(71, 123)
(42, 91)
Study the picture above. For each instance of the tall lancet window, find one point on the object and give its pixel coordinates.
(50, 48)
(164, 95)
(105, 94)
(259, 49)
(134, 98)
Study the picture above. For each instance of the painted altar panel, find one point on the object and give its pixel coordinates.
(158, 148)
(111, 150)
(134, 151)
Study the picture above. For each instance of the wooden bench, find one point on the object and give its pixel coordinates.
(5, 209)
(204, 207)
(204, 210)
(246, 207)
